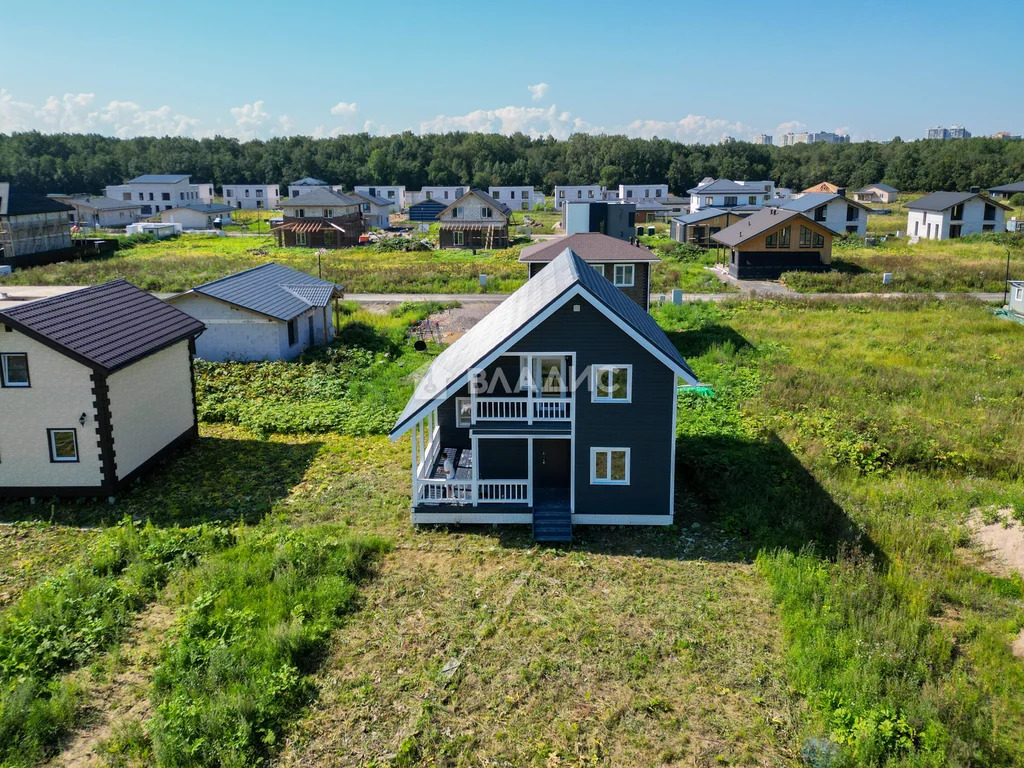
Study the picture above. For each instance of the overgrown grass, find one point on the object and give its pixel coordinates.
(974, 263)
(70, 618)
(258, 620)
(858, 437)
(356, 386)
(683, 266)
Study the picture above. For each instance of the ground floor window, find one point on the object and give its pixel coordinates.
(293, 333)
(955, 230)
(458, 237)
(328, 239)
(300, 238)
(63, 445)
(609, 466)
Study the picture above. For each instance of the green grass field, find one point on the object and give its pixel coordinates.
(813, 602)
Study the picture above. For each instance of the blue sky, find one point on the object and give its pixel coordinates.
(687, 71)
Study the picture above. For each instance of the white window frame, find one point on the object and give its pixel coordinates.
(51, 435)
(1018, 293)
(599, 268)
(459, 402)
(594, 479)
(536, 380)
(623, 283)
(458, 237)
(300, 239)
(597, 369)
(6, 382)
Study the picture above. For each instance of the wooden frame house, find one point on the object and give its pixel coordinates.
(475, 220)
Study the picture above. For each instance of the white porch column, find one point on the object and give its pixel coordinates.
(475, 445)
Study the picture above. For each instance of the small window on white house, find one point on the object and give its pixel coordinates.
(293, 332)
(259, 192)
(63, 445)
(611, 384)
(463, 412)
(1018, 294)
(609, 466)
(623, 276)
(14, 370)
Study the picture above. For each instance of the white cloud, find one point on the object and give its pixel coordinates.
(538, 91)
(344, 108)
(790, 126)
(533, 121)
(285, 125)
(249, 119)
(691, 129)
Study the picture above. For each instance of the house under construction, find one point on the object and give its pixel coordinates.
(31, 224)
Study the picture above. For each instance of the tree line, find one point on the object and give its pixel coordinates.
(70, 163)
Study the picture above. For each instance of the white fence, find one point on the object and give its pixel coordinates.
(526, 409)
(439, 491)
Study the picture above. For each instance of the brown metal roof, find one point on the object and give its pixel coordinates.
(589, 246)
(106, 326)
(763, 221)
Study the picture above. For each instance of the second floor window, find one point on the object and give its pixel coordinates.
(259, 193)
(623, 275)
(731, 200)
(958, 212)
(990, 212)
(784, 237)
(485, 212)
(805, 237)
(14, 369)
(611, 384)
(852, 213)
(820, 213)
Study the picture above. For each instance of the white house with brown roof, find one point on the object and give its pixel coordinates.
(96, 386)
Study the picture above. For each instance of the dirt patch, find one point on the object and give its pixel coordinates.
(454, 322)
(120, 694)
(1001, 538)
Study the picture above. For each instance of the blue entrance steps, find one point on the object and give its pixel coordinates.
(552, 516)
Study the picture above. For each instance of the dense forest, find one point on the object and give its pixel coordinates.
(86, 163)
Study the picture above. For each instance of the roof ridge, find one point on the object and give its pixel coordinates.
(237, 274)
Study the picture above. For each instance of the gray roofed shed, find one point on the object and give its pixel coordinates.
(271, 289)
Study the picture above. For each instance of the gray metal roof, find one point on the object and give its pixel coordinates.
(159, 178)
(725, 185)
(308, 181)
(701, 215)
(497, 329)
(941, 201)
(810, 201)
(106, 326)
(375, 199)
(1013, 187)
(98, 203)
(271, 289)
(883, 187)
(319, 197)
(204, 207)
(752, 226)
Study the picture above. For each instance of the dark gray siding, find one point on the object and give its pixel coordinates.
(502, 459)
(452, 436)
(637, 292)
(644, 425)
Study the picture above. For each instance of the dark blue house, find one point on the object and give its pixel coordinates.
(426, 210)
(557, 409)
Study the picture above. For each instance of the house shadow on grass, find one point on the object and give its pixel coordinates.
(211, 480)
(697, 343)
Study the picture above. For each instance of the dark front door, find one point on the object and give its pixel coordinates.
(551, 463)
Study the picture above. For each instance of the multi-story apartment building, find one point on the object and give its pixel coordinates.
(953, 132)
(642, 193)
(157, 192)
(762, 138)
(805, 137)
(251, 196)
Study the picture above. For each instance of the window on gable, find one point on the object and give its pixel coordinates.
(818, 241)
(14, 370)
(805, 237)
(611, 384)
(463, 412)
(485, 212)
(63, 445)
(623, 275)
(784, 237)
(609, 466)
(772, 241)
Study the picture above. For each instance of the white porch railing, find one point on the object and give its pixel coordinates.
(526, 409)
(472, 492)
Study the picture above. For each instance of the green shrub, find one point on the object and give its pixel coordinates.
(258, 619)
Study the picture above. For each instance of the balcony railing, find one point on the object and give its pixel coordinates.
(528, 409)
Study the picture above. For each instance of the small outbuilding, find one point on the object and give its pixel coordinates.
(97, 386)
(198, 215)
(876, 193)
(95, 212)
(269, 312)
(1016, 300)
(426, 210)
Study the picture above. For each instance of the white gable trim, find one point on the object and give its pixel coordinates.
(526, 328)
